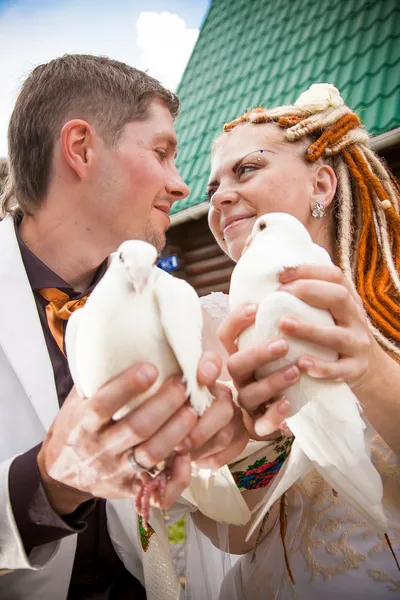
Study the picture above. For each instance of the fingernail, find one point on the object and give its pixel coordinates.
(210, 369)
(146, 374)
(284, 407)
(262, 428)
(250, 309)
(278, 347)
(184, 447)
(286, 287)
(287, 274)
(289, 323)
(305, 363)
(291, 373)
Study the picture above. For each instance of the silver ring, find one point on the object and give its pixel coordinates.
(134, 464)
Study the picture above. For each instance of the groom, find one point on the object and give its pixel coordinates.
(92, 153)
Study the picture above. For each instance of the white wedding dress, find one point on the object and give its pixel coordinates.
(332, 552)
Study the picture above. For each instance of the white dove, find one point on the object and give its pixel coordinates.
(326, 421)
(137, 313)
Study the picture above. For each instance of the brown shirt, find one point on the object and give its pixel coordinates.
(98, 573)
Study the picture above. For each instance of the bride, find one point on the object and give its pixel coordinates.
(312, 160)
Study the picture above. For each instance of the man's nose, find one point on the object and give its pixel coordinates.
(177, 187)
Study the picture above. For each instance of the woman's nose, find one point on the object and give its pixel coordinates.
(223, 196)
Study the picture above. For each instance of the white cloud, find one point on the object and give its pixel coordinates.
(31, 34)
(166, 44)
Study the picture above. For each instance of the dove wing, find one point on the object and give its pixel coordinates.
(182, 320)
(71, 335)
(330, 431)
(327, 422)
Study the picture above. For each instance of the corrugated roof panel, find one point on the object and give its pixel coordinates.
(269, 51)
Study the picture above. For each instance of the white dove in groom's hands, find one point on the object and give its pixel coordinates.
(138, 313)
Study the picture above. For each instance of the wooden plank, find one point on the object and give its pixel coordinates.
(190, 242)
(202, 253)
(214, 276)
(208, 264)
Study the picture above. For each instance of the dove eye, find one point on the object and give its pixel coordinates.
(262, 225)
(121, 257)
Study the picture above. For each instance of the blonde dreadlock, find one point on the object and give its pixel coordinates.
(367, 207)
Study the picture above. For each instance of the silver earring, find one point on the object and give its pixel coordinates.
(319, 210)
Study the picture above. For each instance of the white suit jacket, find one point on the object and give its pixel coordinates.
(28, 405)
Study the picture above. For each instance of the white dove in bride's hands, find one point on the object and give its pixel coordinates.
(138, 313)
(326, 421)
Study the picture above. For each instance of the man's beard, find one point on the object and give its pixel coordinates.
(154, 236)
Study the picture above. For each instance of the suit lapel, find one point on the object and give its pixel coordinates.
(21, 335)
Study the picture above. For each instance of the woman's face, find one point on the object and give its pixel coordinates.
(255, 171)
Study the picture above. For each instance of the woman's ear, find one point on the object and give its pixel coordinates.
(323, 186)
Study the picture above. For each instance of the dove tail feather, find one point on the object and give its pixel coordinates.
(283, 528)
(389, 543)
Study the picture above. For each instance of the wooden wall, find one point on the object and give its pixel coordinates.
(201, 261)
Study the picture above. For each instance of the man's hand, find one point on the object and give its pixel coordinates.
(85, 453)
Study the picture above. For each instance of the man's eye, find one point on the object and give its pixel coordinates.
(162, 154)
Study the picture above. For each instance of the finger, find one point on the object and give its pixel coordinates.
(181, 471)
(323, 272)
(221, 440)
(345, 369)
(101, 407)
(340, 339)
(273, 418)
(243, 363)
(225, 456)
(285, 430)
(264, 390)
(325, 295)
(213, 420)
(143, 422)
(162, 444)
(238, 320)
(209, 369)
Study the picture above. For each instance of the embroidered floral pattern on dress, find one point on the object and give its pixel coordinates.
(262, 471)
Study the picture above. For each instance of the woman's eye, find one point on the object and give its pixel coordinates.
(243, 169)
(208, 195)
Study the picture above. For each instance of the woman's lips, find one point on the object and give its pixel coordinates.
(235, 223)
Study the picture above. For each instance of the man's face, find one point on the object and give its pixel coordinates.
(138, 180)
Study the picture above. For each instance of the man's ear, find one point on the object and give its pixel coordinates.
(77, 144)
(323, 186)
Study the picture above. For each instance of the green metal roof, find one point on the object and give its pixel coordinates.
(267, 52)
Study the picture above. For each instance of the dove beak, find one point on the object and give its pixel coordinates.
(139, 280)
(247, 244)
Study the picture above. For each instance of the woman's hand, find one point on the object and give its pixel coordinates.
(325, 287)
(262, 400)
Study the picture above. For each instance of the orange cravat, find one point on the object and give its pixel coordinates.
(59, 309)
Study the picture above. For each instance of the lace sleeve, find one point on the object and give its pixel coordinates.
(216, 305)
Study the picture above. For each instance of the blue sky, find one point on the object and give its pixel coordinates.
(154, 35)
